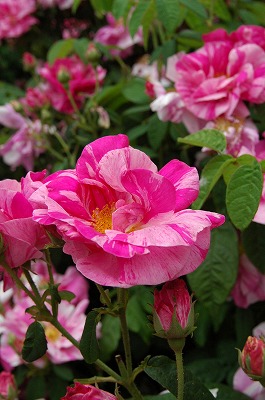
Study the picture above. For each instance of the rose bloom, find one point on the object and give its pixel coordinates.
(214, 79)
(71, 72)
(250, 284)
(23, 238)
(252, 357)
(125, 223)
(115, 33)
(173, 301)
(16, 18)
(8, 389)
(86, 392)
(242, 383)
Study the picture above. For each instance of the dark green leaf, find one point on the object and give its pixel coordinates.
(210, 138)
(66, 295)
(80, 47)
(163, 370)
(243, 194)
(88, 344)
(214, 279)
(227, 393)
(36, 388)
(9, 92)
(110, 337)
(147, 20)
(63, 372)
(254, 244)
(156, 131)
(137, 16)
(164, 396)
(195, 6)
(170, 13)
(35, 344)
(75, 5)
(119, 8)
(135, 91)
(136, 132)
(60, 49)
(209, 177)
(195, 390)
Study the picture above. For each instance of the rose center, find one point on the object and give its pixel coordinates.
(102, 219)
(52, 334)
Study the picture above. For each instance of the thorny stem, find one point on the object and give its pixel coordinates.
(180, 374)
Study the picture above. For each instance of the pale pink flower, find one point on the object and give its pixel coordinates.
(86, 392)
(72, 318)
(62, 4)
(23, 238)
(124, 222)
(241, 134)
(16, 18)
(10, 118)
(25, 145)
(250, 284)
(242, 383)
(116, 34)
(169, 107)
(214, 79)
(70, 74)
(8, 388)
(259, 330)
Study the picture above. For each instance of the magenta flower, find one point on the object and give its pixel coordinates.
(86, 392)
(16, 17)
(250, 284)
(115, 33)
(214, 79)
(70, 74)
(23, 238)
(125, 223)
(8, 388)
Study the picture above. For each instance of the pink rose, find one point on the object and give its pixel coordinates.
(117, 34)
(173, 314)
(260, 155)
(16, 17)
(86, 392)
(81, 80)
(23, 238)
(250, 284)
(214, 79)
(8, 388)
(124, 222)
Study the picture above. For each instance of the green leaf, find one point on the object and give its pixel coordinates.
(137, 16)
(75, 5)
(163, 370)
(35, 344)
(80, 46)
(60, 49)
(211, 138)
(66, 295)
(214, 279)
(63, 372)
(227, 393)
(164, 396)
(196, 7)
(88, 344)
(136, 132)
(221, 10)
(119, 8)
(156, 131)
(231, 168)
(9, 92)
(209, 177)
(134, 91)
(110, 337)
(36, 388)
(137, 309)
(147, 20)
(170, 13)
(254, 244)
(243, 194)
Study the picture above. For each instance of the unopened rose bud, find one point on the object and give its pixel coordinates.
(63, 76)
(173, 315)
(92, 54)
(252, 358)
(29, 61)
(82, 392)
(8, 389)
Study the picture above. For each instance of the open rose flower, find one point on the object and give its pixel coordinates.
(16, 17)
(125, 223)
(86, 392)
(70, 74)
(22, 237)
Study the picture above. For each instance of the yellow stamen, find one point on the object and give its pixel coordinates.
(52, 334)
(102, 219)
(222, 124)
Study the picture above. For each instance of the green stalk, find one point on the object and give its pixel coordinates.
(180, 374)
(122, 299)
(104, 296)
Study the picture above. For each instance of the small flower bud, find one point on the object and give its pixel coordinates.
(63, 76)
(252, 358)
(8, 389)
(92, 54)
(173, 315)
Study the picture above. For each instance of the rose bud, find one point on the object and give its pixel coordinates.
(252, 359)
